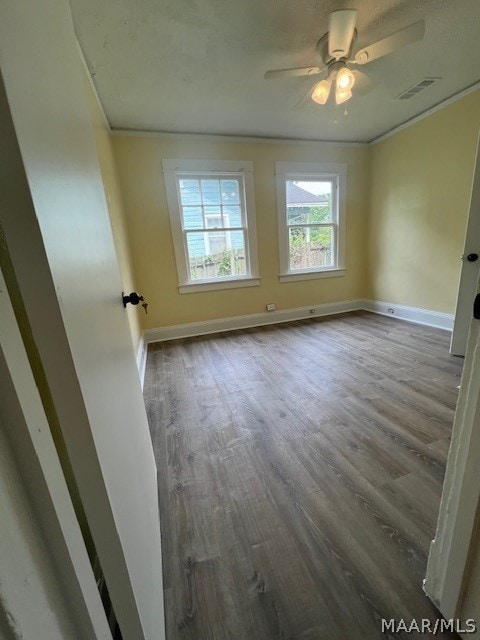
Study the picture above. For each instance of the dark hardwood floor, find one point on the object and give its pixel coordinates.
(300, 473)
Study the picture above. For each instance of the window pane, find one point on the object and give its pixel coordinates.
(311, 247)
(215, 211)
(192, 218)
(189, 191)
(309, 201)
(213, 217)
(216, 254)
(211, 191)
(213, 222)
(232, 216)
(230, 191)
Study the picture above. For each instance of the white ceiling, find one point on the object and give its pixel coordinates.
(197, 65)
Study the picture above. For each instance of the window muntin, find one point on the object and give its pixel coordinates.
(210, 196)
(311, 211)
(212, 218)
(311, 220)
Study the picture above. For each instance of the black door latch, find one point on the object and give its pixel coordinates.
(476, 307)
(134, 298)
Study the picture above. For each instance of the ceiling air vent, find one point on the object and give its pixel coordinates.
(416, 89)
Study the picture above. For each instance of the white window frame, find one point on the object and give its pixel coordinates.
(304, 171)
(209, 168)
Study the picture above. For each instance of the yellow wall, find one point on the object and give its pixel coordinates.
(420, 188)
(407, 209)
(116, 210)
(139, 163)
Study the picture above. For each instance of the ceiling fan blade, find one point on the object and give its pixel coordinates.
(363, 83)
(341, 31)
(305, 101)
(290, 73)
(391, 43)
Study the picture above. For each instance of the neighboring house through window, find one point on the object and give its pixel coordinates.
(212, 215)
(311, 219)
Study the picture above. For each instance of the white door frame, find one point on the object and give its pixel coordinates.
(28, 431)
(470, 270)
(54, 215)
(447, 562)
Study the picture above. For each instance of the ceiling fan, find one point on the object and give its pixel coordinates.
(335, 49)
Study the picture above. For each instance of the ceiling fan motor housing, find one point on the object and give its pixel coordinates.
(322, 48)
(334, 67)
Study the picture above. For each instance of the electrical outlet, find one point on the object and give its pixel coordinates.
(390, 310)
(271, 307)
(312, 311)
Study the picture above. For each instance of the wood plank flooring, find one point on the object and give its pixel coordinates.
(300, 473)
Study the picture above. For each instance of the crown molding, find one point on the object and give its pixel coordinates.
(266, 140)
(188, 136)
(440, 105)
(227, 138)
(93, 87)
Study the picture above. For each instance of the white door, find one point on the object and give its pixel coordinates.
(453, 569)
(470, 269)
(65, 287)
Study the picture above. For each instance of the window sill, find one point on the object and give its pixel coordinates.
(310, 275)
(213, 286)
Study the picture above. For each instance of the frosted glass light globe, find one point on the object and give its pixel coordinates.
(321, 92)
(345, 79)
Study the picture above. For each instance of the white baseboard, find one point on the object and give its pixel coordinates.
(251, 320)
(142, 358)
(411, 314)
(400, 312)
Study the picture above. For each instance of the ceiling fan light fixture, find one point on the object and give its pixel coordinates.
(342, 95)
(335, 50)
(345, 79)
(321, 92)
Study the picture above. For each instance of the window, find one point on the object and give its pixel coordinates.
(311, 219)
(213, 223)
